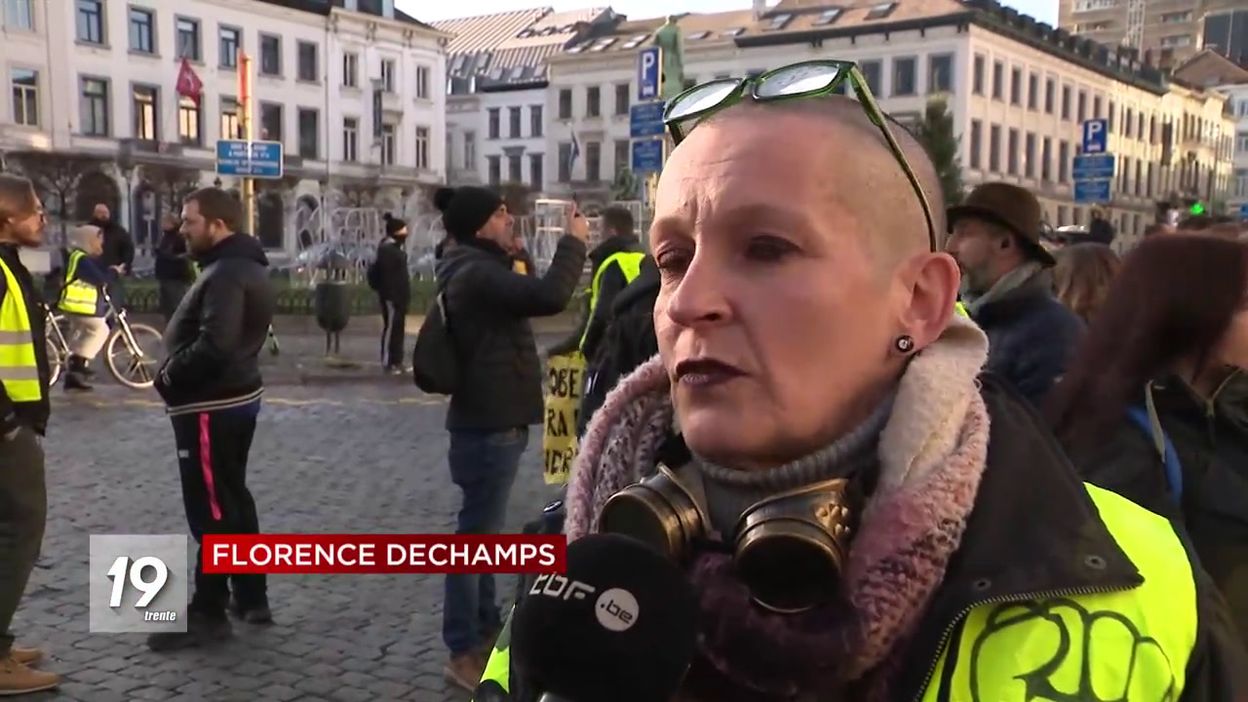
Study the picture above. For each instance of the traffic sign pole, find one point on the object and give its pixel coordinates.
(244, 99)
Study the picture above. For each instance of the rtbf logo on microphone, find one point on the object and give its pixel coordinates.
(289, 554)
(615, 608)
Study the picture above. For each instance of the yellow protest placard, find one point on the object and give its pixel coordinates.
(565, 377)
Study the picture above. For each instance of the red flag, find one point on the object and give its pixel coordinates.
(189, 84)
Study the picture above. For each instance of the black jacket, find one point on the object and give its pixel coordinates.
(30, 414)
(394, 283)
(1031, 337)
(629, 340)
(118, 246)
(611, 283)
(489, 306)
(172, 260)
(1212, 447)
(218, 330)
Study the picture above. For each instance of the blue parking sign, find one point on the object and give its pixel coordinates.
(648, 73)
(1095, 136)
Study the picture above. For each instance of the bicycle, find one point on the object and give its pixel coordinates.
(139, 369)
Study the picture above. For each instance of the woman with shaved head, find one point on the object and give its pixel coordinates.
(863, 515)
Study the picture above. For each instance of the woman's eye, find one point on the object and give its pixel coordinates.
(768, 248)
(673, 261)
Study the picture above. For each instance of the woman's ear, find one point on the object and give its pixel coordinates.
(930, 290)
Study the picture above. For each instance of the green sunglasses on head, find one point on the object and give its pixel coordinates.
(793, 82)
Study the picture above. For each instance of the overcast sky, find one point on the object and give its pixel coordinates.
(429, 11)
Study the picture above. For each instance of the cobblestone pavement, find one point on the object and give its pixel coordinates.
(342, 458)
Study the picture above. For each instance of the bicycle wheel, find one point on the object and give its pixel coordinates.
(135, 367)
(55, 362)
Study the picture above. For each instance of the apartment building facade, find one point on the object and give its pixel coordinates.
(354, 91)
(1170, 31)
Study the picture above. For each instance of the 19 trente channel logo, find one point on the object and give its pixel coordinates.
(140, 582)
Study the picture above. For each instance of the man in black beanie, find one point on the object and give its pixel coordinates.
(499, 393)
(390, 278)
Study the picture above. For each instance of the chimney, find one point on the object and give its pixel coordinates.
(760, 8)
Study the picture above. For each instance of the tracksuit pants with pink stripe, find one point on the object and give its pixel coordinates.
(212, 457)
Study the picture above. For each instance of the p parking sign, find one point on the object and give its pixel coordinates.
(138, 583)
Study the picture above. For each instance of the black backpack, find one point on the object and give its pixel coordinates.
(435, 365)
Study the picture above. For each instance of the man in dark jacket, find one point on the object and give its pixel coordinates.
(1007, 287)
(1100, 230)
(174, 270)
(118, 253)
(614, 263)
(212, 386)
(23, 420)
(500, 388)
(393, 284)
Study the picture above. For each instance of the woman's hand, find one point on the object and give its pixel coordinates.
(578, 226)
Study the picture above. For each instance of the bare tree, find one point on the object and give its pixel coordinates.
(55, 176)
(358, 193)
(170, 181)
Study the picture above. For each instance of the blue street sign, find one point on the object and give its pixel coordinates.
(1092, 192)
(648, 73)
(1093, 166)
(1095, 136)
(648, 156)
(645, 120)
(1243, 211)
(262, 160)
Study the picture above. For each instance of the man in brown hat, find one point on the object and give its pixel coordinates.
(1007, 288)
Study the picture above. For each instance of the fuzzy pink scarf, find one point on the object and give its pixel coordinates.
(932, 453)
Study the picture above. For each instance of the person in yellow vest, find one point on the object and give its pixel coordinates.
(82, 301)
(862, 513)
(23, 421)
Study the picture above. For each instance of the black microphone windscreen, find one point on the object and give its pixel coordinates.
(619, 626)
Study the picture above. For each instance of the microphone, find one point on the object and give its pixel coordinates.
(619, 626)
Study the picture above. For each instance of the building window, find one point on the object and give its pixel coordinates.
(593, 161)
(25, 97)
(994, 149)
(1066, 102)
(229, 119)
(565, 104)
(1063, 162)
(940, 74)
(1096, 110)
(622, 91)
(350, 70)
(871, 71)
(470, 150)
(18, 14)
(387, 75)
(142, 31)
(1049, 90)
(270, 55)
(494, 169)
(978, 80)
(422, 148)
(187, 38)
(1139, 126)
(1128, 122)
(1012, 154)
(514, 174)
(146, 112)
(1139, 177)
(535, 120)
(309, 134)
(1083, 106)
(998, 80)
(188, 122)
(565, 162)
(976, 139)
(1149, 185)
(422, 82)
(903, 76)
(493, 122)
(230, 40)
(621, 155)
(1029, 164)
(1176, 41)
(1046, 155)
(350, 139)
(535, 171)
(1016, 86)
(271, 121)
(513, 121)
(1033, 91)
(593, 101)
(90, 21)
(94, 107)
(389, 145)
(1061, 215)
(307, 61)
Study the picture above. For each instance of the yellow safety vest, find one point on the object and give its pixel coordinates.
(19, 369)
(630, 265)
(78, 296)
(1129, 645)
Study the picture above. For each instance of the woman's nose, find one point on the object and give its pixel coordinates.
(700, 296)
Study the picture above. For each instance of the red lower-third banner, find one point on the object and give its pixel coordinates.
(384, 553)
